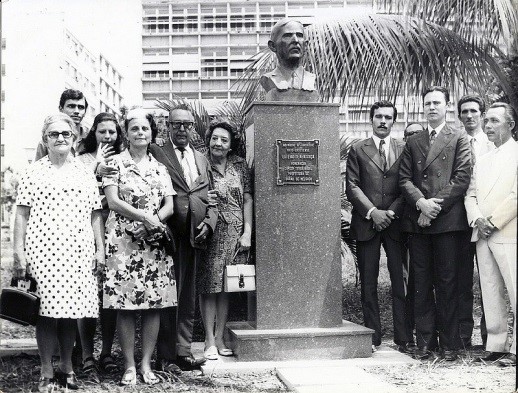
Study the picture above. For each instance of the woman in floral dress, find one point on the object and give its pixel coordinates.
(232, 235)
(139, 274)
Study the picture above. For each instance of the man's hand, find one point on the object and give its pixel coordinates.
(430, 207)
(159, 141)
(485, 228)
(381, 219)
(424, 221)
(203, 233)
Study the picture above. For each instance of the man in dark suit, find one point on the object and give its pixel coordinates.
(434, 175)
(373, 190)
(193, 220)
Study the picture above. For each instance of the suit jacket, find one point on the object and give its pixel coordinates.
(440, 171)
(368, 186)
(190, 204)
(492, 192)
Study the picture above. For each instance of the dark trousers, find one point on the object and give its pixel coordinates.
(408, 273)
(368, 254)
(465, 286)
(435, 272)
(176, 323)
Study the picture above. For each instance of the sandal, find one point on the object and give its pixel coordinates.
(46, 385)
(129, 377)
(211, 353)
(225, 352)
(89, 365)
(149, 378)
(107, 364)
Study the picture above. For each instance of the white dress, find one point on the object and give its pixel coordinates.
(59, 243)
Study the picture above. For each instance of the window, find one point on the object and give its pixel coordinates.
(3, 43)
(2, 123)
(3, 95)
(2, 150)
(3, 69)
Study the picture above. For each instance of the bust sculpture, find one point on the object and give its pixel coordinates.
(289, 81)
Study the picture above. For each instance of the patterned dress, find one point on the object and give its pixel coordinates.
(221, 248)
(138, 274)
(59, 243)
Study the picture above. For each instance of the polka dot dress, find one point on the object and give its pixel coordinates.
(59, 243)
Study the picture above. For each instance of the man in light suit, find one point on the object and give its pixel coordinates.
(491, 207)
(434, 175)
(193, 220)
(471, 110)
(372, 189)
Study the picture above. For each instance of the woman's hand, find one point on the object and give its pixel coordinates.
(244, 242)
(18, 270)
(103, 159)
(212, 198)
(153, 224)
(99, 261)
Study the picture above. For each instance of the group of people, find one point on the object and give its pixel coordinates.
(115, 222)
(438, 201)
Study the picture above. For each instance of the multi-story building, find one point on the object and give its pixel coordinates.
(36, 71)
(198, 49)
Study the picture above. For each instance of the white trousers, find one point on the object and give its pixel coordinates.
(497, 269)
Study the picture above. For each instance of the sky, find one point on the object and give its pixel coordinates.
(111, 26)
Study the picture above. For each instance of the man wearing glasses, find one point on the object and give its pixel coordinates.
(192, 222)
(72, 103)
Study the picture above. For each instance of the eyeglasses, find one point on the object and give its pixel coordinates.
(178, 124)
(55, 134)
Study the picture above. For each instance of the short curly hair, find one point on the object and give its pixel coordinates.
(232, 131)
(54, 119)
(149, 117)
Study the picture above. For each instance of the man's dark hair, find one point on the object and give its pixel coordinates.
(383, 104)
(443, 90)
(472, 98)
(71, 94)
(90, 142)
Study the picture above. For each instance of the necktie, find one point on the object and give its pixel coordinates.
(185, 166)
(472, 145)
(432, 137)
(383, 155)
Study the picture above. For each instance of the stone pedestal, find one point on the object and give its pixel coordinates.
(296, 311)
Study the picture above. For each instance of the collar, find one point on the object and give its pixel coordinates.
(437, 129)
(504, 146)
(377, 140)
(188, 149)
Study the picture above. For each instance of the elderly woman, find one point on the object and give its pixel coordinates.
(58, 238)
(139, 274)
(101, 143)
(232, 234)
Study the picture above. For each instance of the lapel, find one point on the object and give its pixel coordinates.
(396, 148)
(202, 170)
(369, 148)
(422, 142)
(492, 169)
(441, 141)
(177, 172)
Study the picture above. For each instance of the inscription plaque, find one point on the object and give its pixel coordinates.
(297, 162)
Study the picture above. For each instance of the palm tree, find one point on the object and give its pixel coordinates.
(414, 44)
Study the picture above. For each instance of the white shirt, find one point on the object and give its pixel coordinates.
(377, 141)
(437, 129)
(189, 155)
(481, 144)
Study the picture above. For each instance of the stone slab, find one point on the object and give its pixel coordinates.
(333, 379)
(298, 271)
(17, 346)
(347, 341)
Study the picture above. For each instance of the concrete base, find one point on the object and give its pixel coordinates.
(347, 341)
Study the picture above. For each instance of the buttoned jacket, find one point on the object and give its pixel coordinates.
(368, 186)
(441, 170)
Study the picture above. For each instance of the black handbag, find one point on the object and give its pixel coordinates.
(19, 303)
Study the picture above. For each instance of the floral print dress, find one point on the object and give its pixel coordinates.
(138, 273)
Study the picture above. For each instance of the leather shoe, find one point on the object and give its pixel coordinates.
(492, 357)
(67, 380)
(508, 360)
(449, 355)
(423, 353)
(189, 363)
(405, 348)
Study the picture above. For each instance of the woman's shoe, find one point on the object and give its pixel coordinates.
(211, 353)
(129, 377)
(225, 352)
(46, 385)
(149, 377)
(67, 380)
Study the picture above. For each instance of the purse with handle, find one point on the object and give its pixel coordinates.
(239, 278)
(19, 303)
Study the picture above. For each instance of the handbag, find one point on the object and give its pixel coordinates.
(239, 278)
(19, 303)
